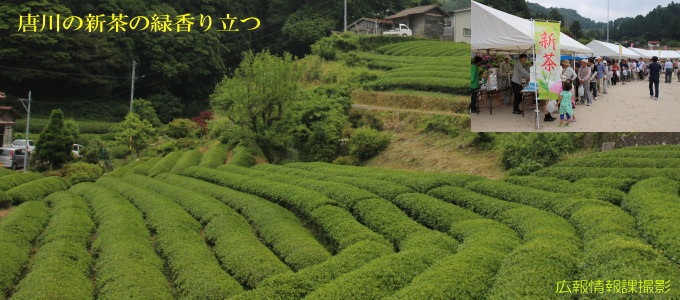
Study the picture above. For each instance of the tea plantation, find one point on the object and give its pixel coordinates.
(188, 226)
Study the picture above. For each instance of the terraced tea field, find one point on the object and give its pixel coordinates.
(422, 65)
(189, 226)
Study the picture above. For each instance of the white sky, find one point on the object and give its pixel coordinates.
(597, 9)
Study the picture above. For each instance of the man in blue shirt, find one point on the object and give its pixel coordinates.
(601, 73)
(654, 71)
(669, 70)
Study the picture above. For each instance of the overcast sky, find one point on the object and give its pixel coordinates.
(597, 9)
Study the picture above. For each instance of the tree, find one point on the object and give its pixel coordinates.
(54, 145)
(554, 15)
(257, 96)
(166, 105)
(72, 130)
(146, 112)
(576, 29)
(133, 132)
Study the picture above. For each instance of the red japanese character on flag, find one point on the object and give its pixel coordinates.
(549, 64)
(547, 40)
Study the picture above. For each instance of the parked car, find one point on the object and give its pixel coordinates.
(402, 30)
(76, 150)
(12, 157)
(22, 144)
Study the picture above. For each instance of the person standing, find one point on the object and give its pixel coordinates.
(668, 67)
(642, 68)
(505, 70)
(474, 84)
(593, 78)
(584, 74)
(615, 73)
(518, 74)
(601, 69)
(654, 73)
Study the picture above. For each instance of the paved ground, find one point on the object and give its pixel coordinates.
(626, 108)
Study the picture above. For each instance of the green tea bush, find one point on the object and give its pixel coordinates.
(518, 150)
(15, 179)
(625, 152)
(238, 249)
(195, 270)
(125, 169)
(4, 172)
(299, 200)
(279, 228)
(166, 164)
(242, 156)
(5, 200)
(61, 267)
(119, 151)
(621, 184)
(83, 172)
(552, 184)
(342, 229)
(188, 159)
(215, 156)
(126, 265)
(38, 189)
(637, 174)
(374, 281)
(143, 168)
(17, 232)
(299, 284)
(623, 162)
(655, 204)
(550, 251)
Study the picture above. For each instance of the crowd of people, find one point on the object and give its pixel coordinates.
(590, 79)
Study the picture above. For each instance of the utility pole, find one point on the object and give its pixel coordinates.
(345, 30)
(28, 125)
(607, 21)
(132, 89)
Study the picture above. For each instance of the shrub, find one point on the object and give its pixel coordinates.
(373, 282)
(36, 190)
(195, 270)
(565, 187)
(82, 172)
(181, 128)
(215, 156)
(346, 160)
(167, 147)
(61, 267)
(325, 49)
(239, 250)
(17, 231)
(342, 229)
(636, 174)
(16, 179)
(5, 200)
(143, 168)
(655, 205)
(277, 227)
(366, 143)
(4, 172)
(119, 151)
(298, 285)
(242, 156)
(123, 170)
(549, 254)
(299, 200)
(126, 265)
(188, 159)
(615, 183)
(166, 164)
(527, 150)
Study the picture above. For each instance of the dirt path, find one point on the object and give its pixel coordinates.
(626, 108)
(380, 108)
(5, 211)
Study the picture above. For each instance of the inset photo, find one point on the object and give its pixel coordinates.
(559, 71)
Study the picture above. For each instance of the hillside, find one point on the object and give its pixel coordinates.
(569, 15)
(319, 230)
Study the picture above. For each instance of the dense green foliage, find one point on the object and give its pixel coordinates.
(215, 156)
(17, 232)
(61, 267)
(188, 159)
(38, 189)
(82, 172)
(55, 143)
(242, 156)
(14, 179)
(133, 132)
(166, 164)
(127, 265)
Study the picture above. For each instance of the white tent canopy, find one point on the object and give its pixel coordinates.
(644, 53)
(601, 48)
(501, 32)
(666, 54)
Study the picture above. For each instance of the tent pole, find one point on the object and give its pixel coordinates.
(533, 47)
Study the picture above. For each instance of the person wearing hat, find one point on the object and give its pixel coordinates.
(505, 70)
(584, 74)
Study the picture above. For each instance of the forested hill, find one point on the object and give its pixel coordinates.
(84, 67)
(569, 16)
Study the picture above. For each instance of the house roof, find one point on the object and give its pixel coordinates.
(416, 11)
(14, 112)
(371, 20)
